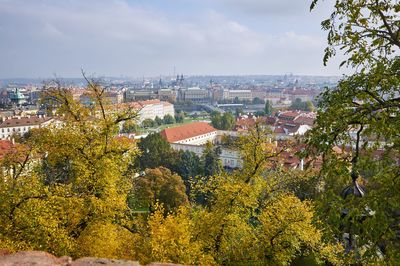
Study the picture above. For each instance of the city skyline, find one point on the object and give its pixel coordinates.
(44, 38)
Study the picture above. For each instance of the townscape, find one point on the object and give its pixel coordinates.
(211, 169)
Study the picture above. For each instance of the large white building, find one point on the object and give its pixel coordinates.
(151, 109)
(193, 137)
(21, 125)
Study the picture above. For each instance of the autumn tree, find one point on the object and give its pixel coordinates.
(248, 219)
(362, 114)
(159, 185)
(69, 185)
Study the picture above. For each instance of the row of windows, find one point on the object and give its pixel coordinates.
(14, 130)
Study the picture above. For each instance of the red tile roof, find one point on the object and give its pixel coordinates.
(186, 131)
(5, 147)
(24, 121)
(302, 120)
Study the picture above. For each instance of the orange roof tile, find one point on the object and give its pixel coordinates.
(186, 131)
(24, 121)
(5, 147)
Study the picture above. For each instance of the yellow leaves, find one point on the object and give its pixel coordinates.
(172, 239)
(288, 230)
(105, 240)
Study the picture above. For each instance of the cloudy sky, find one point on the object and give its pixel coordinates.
(134, 38)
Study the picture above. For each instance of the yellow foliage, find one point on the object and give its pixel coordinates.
(105, 240)
(172, 239)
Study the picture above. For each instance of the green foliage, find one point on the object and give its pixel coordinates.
(179, 117)
(159, 185)
(129, 127)
(225, 121)
(155, 152)
(169, 119)
(257, 100)
(367, 103)
(212, 163)
(189, 165)
(147, 123)
(365, 30)
(268, 108)
(158, 121)
(298, 104)
(259, 113)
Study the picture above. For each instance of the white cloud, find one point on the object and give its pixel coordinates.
(117, 37)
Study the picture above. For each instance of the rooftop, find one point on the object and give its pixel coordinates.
(186, 131)
(24, 121)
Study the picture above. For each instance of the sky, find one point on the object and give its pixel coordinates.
(135, 38)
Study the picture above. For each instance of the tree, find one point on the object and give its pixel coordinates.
(225, 121)
(367, 104)
(259, 113)
(188, 166)
(238, 111)
(169, 119)
(67, 180)
(171, 239)
(246, 220)
(155, 151)
(147, 123)
(158, 121)
(257, 100)
(212, 163)
(268, 108)
(298, 104)
(228, 121)
(129, 127)
(159, 185)
(216, 120)
(179, 117)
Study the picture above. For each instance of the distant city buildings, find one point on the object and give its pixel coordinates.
(195, 95)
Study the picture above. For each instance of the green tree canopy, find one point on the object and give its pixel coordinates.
(159, 185)
(268, 108)
(155, 151)
(225, 121)
(362, 113)
(169, 119)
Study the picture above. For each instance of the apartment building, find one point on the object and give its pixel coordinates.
(21, 125)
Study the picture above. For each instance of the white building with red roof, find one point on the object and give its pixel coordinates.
(193, 137)
(197, 133)
(21, 125)
(151, 109)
